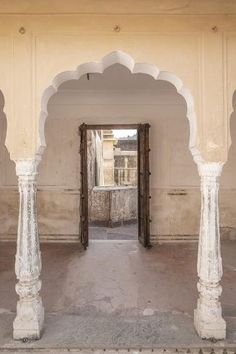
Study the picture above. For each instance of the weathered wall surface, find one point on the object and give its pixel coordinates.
(111, 205)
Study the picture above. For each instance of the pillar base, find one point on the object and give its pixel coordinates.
(28, 323)
(209, 328)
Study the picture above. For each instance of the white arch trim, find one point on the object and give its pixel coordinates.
(231, 112)
(3, 107)
(119, 57)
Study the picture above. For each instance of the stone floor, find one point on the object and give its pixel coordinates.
(124, 232)
(117, 295)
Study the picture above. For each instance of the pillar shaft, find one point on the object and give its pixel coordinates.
(208, 315)
(30, 313)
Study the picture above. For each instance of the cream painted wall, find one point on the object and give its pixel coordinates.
(200, 49)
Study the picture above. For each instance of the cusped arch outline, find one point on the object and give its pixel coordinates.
(3, 112)
(119, 57)
(231, 113)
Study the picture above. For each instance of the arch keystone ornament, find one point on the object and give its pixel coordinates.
(208, 315)
(30, 313)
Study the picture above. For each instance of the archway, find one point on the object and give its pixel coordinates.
(145, 100)
(119, 57)
(73, 105)
(28, 169)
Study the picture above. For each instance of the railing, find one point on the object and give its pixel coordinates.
(125, 176)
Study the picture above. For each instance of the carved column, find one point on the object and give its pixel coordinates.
(30, 313)
(208, 315)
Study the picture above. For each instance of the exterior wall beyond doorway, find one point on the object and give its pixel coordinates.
(112, 206)
(113, 202)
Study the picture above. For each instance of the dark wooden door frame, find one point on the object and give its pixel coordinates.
(83, 226)
(142, 185)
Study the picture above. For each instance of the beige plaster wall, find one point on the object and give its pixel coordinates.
(200, 49)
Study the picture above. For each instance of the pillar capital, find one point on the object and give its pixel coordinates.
(27, 167)
(210, 169)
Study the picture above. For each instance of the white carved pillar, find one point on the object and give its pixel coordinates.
(30, 313)
(208, 315)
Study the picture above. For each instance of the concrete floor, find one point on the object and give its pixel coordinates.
(124, 232)
(117, 295)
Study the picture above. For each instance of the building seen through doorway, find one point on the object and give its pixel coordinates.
(112, 184)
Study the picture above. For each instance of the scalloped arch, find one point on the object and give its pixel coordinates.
(119, 57)
(3, 101)
(231, 112)
(2, 98)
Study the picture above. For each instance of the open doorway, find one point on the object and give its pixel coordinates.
(112, 184)
(114, 189)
